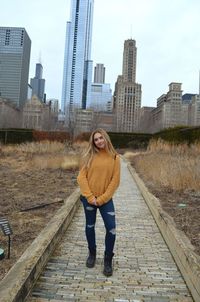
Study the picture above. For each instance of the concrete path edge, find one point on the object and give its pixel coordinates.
(179, 245)
(22, 276)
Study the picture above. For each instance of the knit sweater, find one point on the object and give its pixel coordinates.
(101, 179)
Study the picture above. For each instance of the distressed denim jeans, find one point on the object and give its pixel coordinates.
(107, 212)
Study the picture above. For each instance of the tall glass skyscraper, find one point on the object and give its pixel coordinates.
(15, 47)
(77, 73)
(38, 83)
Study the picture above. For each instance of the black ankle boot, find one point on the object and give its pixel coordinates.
(90, 262)
(108, 271)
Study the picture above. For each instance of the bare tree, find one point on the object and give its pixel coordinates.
(97, 120)
(70, 120)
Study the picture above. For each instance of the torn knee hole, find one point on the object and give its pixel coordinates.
(90, 226)
(113, 231)
(111, 213)
(89, 208)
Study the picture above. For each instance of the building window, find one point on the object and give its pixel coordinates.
(7, 39)
(22, 38)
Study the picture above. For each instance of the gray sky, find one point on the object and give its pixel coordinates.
(167, 34)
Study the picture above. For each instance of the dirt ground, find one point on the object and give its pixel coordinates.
(22, 188)
(184, 207)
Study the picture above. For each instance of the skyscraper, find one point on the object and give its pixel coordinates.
(129, 61)
(101, 96)
(127, 96)
(15, 46)
(77, 73)
(101, 93)
(38, 83)
(99, 73)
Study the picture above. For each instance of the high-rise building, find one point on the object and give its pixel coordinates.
(194, 111)
(127, 95)
(101, 93)
(77, 73)
(38, 83)
(129, 61)
(101, 96)
(171, 111)
(15, 47)
(99, 74)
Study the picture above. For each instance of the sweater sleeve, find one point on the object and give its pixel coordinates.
(84, 186)
(113, 185)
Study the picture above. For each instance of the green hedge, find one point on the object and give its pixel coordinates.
(16, 136)
(119, 140)
(122, 140)
(175, 135)
(179, 135)
(130, 140)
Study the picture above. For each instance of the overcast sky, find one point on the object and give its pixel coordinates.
(167, 35)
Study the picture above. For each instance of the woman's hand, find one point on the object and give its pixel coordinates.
(94, 202)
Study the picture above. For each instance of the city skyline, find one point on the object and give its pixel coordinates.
(166, 34)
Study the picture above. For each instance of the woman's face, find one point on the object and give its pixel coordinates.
(99, 141)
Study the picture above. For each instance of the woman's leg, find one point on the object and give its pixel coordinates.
(90, 216)
(108, 214)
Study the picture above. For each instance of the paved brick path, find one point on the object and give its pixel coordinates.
(144, 269)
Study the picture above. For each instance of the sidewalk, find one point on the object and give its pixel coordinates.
(144, 269)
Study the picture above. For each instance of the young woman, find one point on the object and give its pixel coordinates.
(98, 179)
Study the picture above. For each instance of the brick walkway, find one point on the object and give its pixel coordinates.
(144, 269)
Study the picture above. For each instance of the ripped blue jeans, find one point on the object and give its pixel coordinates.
(108, 214)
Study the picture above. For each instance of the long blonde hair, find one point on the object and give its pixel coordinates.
(92, 149)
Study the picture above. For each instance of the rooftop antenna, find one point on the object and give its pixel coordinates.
(199, 85)
(40, 58)
(131, 28)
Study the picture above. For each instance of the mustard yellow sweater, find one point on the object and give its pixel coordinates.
(101, 179)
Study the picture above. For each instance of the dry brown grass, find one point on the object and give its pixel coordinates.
(130, 154)
(42, 147)
(33, 174)
(174, 166)
(80, 145)
(181, 149)
(66, 162)
(44, 155)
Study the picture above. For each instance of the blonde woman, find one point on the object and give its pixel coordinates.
(98, 179)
